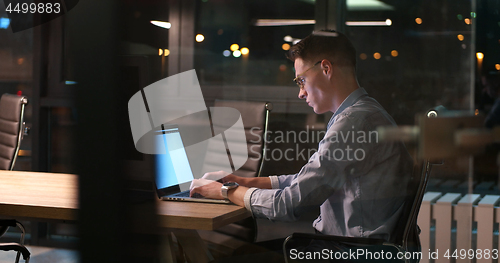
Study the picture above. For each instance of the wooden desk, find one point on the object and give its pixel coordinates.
(41, 196)
(54, 196)
(204, 216)
(48, 196)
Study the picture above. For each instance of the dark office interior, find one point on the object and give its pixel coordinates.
(80, 70)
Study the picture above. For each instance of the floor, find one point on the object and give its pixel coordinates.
(43, 255)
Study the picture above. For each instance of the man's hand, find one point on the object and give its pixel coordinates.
(224, 177)
(211, 190)
(215, 176)
(233, 178)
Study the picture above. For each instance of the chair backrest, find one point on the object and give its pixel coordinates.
(407, 237)
(255, 118)
(420, 175)
(11, 128)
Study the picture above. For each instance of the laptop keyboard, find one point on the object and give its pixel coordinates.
(186, 194)
(182, 194)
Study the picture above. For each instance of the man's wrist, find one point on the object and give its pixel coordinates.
(226, 187)
(244, 181)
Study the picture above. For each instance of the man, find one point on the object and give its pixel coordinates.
(358, 182)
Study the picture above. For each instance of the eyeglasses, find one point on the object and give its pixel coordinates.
(299, 80)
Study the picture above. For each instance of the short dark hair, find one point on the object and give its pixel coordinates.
(325, 44)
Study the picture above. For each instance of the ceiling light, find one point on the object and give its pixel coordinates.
(387, 22)
(284, 22)
(162, 24)
(367, 5)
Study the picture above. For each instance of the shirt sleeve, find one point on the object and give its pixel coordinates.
(275, 184)
(324, 173)
(246, 199)
(282, 181)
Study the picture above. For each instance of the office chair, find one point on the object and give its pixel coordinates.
(19, 247)
(405, 240)
(11, 133)
(255, 117)
(11, 128)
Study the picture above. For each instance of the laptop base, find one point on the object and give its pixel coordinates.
(192, 199)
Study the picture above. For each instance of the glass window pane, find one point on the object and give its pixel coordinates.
(244, 41)
(16, 70)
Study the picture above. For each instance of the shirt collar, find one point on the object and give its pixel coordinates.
(349, 101)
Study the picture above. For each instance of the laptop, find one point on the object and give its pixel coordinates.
(173, 171)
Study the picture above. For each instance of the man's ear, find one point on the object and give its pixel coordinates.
(326, 67)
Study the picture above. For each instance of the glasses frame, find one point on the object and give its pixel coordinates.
(299, 80)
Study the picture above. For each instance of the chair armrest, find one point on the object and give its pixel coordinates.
(16, 247)
(5, 223)
(8, 222)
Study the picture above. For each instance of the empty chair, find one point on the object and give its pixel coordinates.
(11, 133)
(11, 128)
(255, 118)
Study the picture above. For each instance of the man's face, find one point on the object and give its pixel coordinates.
(312, 85)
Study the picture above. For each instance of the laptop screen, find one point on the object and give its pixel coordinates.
(173, 172)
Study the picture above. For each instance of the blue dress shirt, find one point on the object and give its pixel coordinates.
(358, 182)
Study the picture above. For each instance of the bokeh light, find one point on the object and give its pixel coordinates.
(234, 47)
(200, 38)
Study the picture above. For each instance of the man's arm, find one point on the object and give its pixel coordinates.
(213, 191)
(257, 182)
